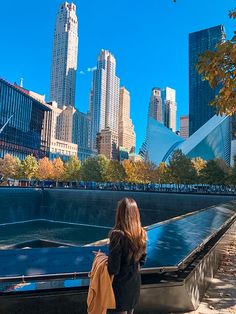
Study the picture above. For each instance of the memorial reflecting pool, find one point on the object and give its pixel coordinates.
(44, 260)
(61, 233)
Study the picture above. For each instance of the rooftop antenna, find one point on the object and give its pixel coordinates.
(21, 82)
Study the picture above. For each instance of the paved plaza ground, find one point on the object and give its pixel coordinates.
(220, 298)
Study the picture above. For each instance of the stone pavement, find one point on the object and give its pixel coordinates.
(220, 297)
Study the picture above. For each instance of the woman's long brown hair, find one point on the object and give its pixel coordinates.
(128, 221)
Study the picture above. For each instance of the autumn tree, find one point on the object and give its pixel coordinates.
(140, 171)
(58, 169)
(181, 168)
(218, 68)
(94, 169)
(163, 173)
(45, 169)
(199, 164)
(130, 171)
(115, 172)
(232, 14)
(10, 167)
(145, 172)
(72, 169)
(29, 167)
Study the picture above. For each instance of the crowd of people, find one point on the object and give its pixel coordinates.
(128, 186)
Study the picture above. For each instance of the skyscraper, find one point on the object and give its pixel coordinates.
(200, 92)
(155, 109)
(64, 130)
(105, 96)
(162, 106)
(107, 143)
(127, 136)
(64, 56)
(170, 108)
(184, 127)
(80, 134)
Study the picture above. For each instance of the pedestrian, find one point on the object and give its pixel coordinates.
(127, 252)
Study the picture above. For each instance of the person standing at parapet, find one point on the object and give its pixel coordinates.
(127, 252)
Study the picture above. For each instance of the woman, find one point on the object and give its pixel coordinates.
(127, 251)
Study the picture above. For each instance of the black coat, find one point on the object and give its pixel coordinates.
(127, 279)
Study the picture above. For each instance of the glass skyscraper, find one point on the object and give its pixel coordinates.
(200, 92)
(81, 133)
(23, 135)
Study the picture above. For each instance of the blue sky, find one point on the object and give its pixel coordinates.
(149, 40)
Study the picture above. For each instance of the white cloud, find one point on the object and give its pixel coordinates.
(88, 70)
(91, 69)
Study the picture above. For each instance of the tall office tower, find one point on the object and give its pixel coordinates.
(105, 96)
(170, 107)
(184, 127)
(200, 92)
(127, 136)
(107, 143)
(64, 129)
(64, 56)
(80, 134)
(89, 115)
(155, 109)
(162, 106)
(60, 132)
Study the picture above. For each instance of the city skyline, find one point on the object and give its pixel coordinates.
(132, 72)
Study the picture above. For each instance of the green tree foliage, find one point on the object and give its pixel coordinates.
(181, 168)
(218, 67)
(10, 167)
(72, 169)
(29, 167)
(94, 169)
(115, 172)
(215, 172)
(232, 177)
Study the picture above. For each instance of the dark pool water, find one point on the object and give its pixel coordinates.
(75, 234)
